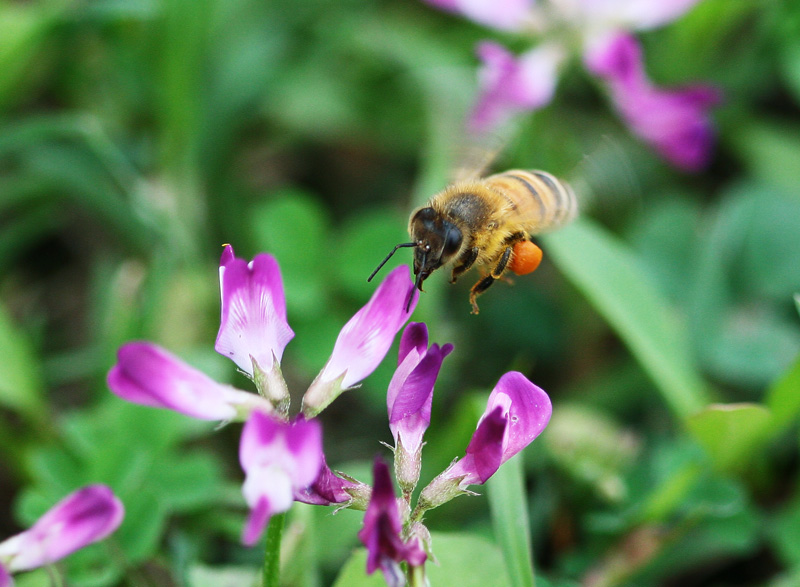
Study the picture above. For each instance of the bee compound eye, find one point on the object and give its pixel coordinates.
(452, 241)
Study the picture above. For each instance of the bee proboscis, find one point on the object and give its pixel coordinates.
(487, 223)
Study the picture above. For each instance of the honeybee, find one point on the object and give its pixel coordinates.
(487, 223)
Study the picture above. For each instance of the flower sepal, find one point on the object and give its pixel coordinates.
(321, 393)
(360, 494)
(439, 491)
(272, 386)
(407, 467)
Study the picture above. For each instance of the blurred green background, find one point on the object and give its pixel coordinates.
(138, 136)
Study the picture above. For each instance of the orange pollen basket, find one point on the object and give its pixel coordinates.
(526, 258)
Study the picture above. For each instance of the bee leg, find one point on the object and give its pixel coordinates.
(466, 261)
(487, 281)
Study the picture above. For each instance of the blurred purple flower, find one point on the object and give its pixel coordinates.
(83, 517)
(147, 374)
(382, 531)
(511, 85)
(364, 341)
(675, 122)
(279, 459)
(253, 324)
(411, 388)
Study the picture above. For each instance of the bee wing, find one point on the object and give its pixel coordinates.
(476, 156)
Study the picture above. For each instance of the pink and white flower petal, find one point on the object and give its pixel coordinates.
(253, 318)
(605, 15)
(675, 122)
(506, 15)
(366, 338)
(147, 374)
(364, 341)
(5, 577)
(279, 459)
(511, 85)
(82, 518)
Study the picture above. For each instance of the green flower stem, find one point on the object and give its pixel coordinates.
(509, 508)
(272, 552)
(415, 577)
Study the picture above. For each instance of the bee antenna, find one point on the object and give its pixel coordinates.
(389, 256)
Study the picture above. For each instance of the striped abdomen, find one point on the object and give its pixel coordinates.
(537, 200)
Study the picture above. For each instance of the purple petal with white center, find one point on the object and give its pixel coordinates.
(279, 459)
(411, 389)
(82, 518)
(511, 85)
(147, 374)
(381, 534)
(516, 413)
(675, 122)
(253, 317)
(5, 577)
(366, 338)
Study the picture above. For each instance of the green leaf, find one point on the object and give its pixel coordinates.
(354, 572)
(591, 448)
(463, 560)
(783, 398)
(609, 275)
(21, 385)
(730, 432)
(294, 227)
(770, 148)
(466, 560)
(509, 507)
(24, 32)
(227, 576)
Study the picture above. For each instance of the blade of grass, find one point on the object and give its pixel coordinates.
(509, 509)
(608, 274)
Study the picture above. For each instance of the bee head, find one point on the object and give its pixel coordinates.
(436, 241)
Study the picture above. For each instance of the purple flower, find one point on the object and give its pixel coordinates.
(82, 518)
(516, 413)
(411, 388)
(253, 325)
(278, 459)
(382, 531)
(327, 489)
(147, 374)
(364, 341)
(511, 85)
(675, 122)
